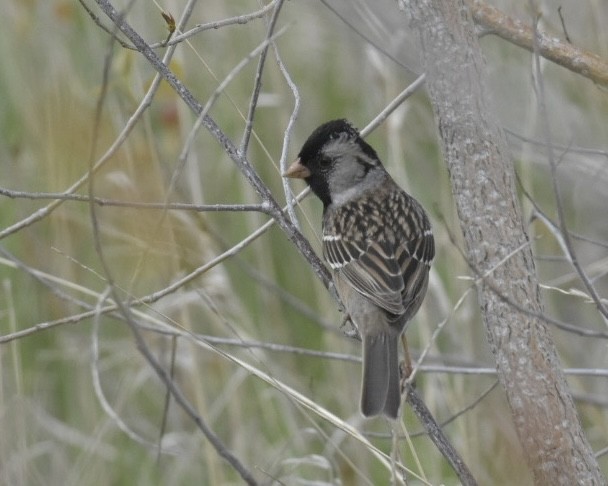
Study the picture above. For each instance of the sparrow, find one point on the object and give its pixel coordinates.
(378, 241)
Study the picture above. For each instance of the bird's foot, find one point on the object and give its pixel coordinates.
(349, 329)
(405, 367)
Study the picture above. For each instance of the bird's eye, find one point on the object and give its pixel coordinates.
(324, 162)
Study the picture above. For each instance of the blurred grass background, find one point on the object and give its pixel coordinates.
(79, 404)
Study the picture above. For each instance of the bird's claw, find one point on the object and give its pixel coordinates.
(349, 329)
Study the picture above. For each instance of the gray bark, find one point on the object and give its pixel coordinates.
(498, 249)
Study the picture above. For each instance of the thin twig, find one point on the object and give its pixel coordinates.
(273, 288)
(142, 346)
(100, 24)
(446, 422)
(194, 131)
(289, 197)
(231, 150)
(49, 281)
(167, 403)
(155, 296)
(553, 227)
(435, 335)
(99, 393)
(550, 47)
(109, 153)
(485, 279)
(435, 433)
(261, 49)
(183, 156)
(364, 37)
(601, 452)
(546, 127)
(101, 201)
(561, 18)
(218, 24)
(257, 83)
(393, 105)
(557, 146)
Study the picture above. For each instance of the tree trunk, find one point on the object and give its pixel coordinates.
(497, 246)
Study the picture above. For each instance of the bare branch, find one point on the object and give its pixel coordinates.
(99, 392)
(434, 431)
(257, 84)
(124, 309)
(364, 37)
(486, 280)
(557, 146)
(155, 296)
(120, 139)
(393, 105)
(572, 256)
(240, 159)
(101, 201)
(218, 24)
(289, 198)
(520, 33)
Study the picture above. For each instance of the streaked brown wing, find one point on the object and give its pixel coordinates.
(373, 272)
(394, 280)
(393, 275)
(414, 258)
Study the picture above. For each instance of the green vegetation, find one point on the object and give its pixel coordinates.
(79, 404)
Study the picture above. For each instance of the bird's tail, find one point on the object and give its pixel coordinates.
(380, 389)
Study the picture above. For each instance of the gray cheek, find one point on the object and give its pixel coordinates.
(343, 196)
(345, 182)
